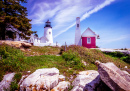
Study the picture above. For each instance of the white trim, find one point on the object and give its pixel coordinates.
(89, 42)
(81, 41)
(88, 32)
(90, 36)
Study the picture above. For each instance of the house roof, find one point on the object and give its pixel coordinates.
(88, 32)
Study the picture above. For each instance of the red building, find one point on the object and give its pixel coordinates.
(89, 38)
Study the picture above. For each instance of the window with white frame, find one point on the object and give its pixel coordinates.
(88, 40)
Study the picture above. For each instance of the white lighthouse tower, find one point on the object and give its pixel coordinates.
(78, 32)
(48, 32)
(47, 38)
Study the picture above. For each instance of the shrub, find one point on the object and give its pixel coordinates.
(73, 59)
(69, 55)
(18, 76)
(91, 55)
(14, 84)
(116, 54)
(126, 59)
(11, 59)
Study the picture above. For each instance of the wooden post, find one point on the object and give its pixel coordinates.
(56, 43)
(65, 46)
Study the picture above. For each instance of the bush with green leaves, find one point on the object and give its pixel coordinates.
(91, 55)
(124, 57)
(12, 59)
(73, 59)
(14, 84)
(117, 54)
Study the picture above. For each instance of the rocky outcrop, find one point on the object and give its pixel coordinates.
(17, 44)
(113, 77)
(102, 87)
(107, 78)
(26, 45)
(41, 79)
(5, 83)
(47, 79)
(62, 86)
(86, 81)
(61, 78)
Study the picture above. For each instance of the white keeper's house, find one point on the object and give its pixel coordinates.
(45, 40)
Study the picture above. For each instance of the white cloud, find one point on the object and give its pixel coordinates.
(64, 12)
(87, 14)
(97, 8)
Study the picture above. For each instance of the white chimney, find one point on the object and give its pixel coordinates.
(78, 32)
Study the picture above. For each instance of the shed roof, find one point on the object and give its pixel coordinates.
(88, 32)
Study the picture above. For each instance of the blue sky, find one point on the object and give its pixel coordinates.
(108, 18)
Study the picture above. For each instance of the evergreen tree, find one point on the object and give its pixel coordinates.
(13, 16)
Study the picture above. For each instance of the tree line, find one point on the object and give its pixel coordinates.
(13, 19)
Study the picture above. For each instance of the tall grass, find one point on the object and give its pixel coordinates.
(12, 59)
(46, 50)
(69, 63)
(73, 59)
(91, 55)
(122, 56)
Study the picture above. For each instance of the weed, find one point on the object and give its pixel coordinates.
(73, 59)
(17, 77)
(46, 50)
(14, 84)
(70, 88)
(91, 55)
(12, 60)
(124, 57)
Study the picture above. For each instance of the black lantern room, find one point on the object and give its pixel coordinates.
(48, 24)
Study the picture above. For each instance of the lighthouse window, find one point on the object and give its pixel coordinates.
(49, 32)
(88, 40)
(77, 25)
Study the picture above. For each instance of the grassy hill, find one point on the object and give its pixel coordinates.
(69, 62)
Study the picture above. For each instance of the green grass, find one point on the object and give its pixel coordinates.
(14, 84)
(69, 63)
(91, 55)
(12, 60)
(124, 57)
(47, 50)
